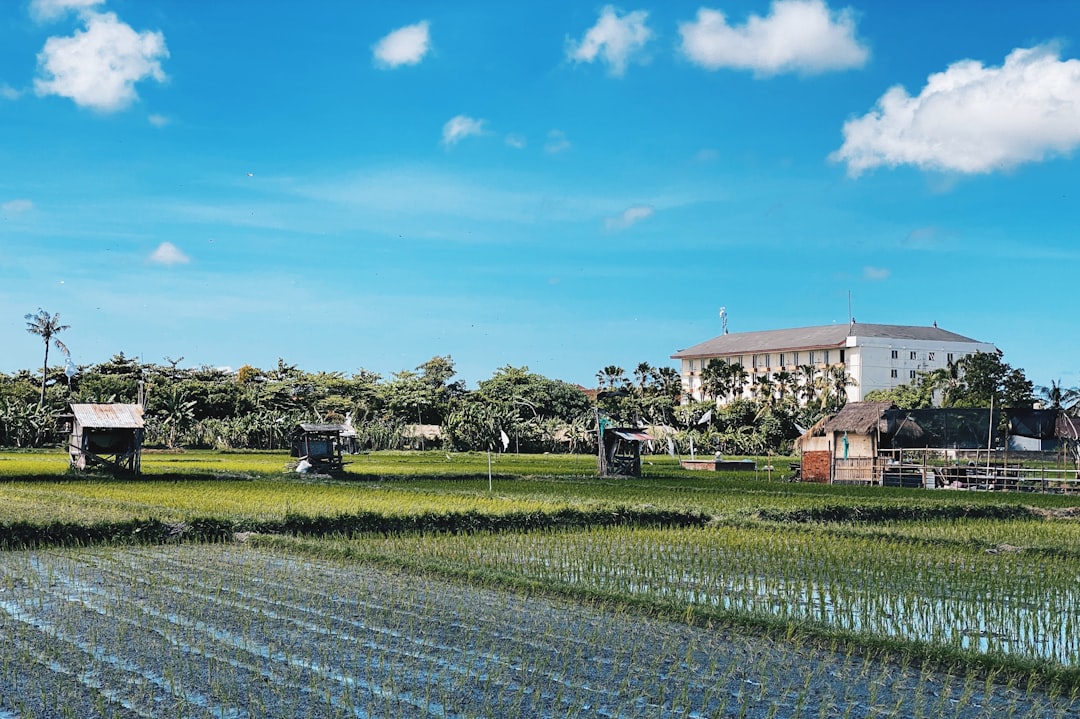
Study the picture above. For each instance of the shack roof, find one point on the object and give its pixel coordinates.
(631, 434)
(321, 428)
(108, 416)
(857, 417)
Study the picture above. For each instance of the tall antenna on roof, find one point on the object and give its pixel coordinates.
(723, 319)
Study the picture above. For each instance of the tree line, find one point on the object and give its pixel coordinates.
(516, 409)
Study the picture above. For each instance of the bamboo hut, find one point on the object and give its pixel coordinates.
(106, 435)
(319, 445)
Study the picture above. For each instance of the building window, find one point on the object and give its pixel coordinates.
(914, 355)
(930, 356)
(948, 358)
(895, 355)
(912, 374)
(825, 356)
(782, 358)
(842, 356)
(893, 374)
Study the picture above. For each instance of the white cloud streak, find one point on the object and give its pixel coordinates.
(16, 207)
(629, 217)
(459, 127)
(99, 66)
(405, 46)
(7, 92)
(49, 10)
(800, 36)
(876, 274)
(972, 119)
(168, 254)
(614, 39)
(556, 142)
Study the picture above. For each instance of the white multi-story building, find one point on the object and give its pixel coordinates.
(874, 356)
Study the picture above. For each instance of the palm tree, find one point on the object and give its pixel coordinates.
(642, 373)
(737, 380)
(613, 376)
(714, 378)
(47, 327)
(808, 384)
(1057, 396)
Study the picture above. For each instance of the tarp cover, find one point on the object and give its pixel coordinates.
(951, 427)
(1037, 423)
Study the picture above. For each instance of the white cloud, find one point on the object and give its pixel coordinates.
(614, 39)
(168, 254)
(516, 141)
(158, 120)
(404, 46)
(630, 216)
(797, 36)
(876, 273)
(7, 92)
(972, 119)
(16, 207)
(46, 10)
(556, 142)
(99, 66)
(459, 127)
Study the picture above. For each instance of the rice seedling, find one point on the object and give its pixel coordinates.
(228, 631)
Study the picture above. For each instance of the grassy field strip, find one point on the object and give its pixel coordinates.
(253, 500)
(1010, 603)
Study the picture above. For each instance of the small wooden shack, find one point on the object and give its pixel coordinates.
(106, 435)
(847, 446)
(621, 455)
(319, 445)
(844, 445)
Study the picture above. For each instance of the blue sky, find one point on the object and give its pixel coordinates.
(558, 185)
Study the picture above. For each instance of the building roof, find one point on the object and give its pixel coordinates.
(108, 416)
(825, 336)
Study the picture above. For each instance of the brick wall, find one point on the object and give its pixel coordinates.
(815, 466)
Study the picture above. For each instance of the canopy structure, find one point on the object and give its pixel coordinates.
(106, 435)
(319, 445)
(621, 451)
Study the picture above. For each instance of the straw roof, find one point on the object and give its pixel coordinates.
(857, 417)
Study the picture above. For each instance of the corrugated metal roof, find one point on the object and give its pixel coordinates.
(108, 416)
(627, 434)
(823, 337)
(323, 428)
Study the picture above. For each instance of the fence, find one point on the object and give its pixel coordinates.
(930, 469)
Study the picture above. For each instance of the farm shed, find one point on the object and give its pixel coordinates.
(106, 435)
(845, 446)
(319, 445)
(621, 455)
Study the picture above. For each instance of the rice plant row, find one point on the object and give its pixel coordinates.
(1019, 604)
(234, 631)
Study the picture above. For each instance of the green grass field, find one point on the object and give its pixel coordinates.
(985, 583)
